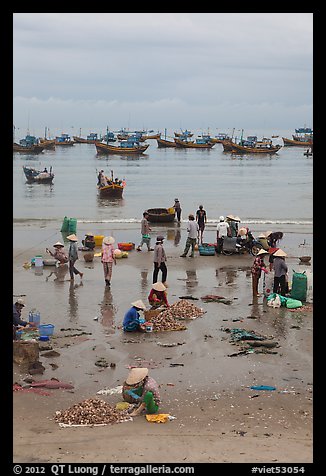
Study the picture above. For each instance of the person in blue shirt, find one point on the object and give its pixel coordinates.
(132, 321)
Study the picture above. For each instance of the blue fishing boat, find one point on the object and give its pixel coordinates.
(64, 140)
(28, 145)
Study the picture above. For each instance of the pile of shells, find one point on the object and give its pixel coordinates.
(167, 320)
(185, 310)
(92, 411)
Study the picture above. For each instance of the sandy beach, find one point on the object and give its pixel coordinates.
(218, 418)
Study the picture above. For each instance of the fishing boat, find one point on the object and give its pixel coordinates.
(48, 144)
(124, 147)
(109, 137)
(185, 133)
(265, 146)
(160, 215)
(39, 176)
(199, 143)
(64, 140)
(293, 142)
(28, 145)
(32, 149)
(110, 187)
(90, 139)
(165, 143)
(303, 137)
(151, 136)
(220, 138)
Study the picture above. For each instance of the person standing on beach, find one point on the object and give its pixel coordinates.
(177, 208)
(145, 236)
(73, 256)
(256, 269)
(201, 219)
(108, 258)
(280, 272)
(159, 260)
(192, 229)
(222, 230)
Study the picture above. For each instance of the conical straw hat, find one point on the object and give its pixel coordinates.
(136, 375)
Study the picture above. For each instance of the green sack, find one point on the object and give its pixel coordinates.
(293, 303)
(299, 286)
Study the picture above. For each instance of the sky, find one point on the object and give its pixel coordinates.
(83, 72)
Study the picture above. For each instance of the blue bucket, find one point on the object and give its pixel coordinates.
(46, 329)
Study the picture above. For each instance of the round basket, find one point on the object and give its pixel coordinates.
(88, 257)
(305, 259)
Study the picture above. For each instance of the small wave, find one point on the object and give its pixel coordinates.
(212, 221)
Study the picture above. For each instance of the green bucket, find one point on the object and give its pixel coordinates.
(72, 226)
(65, 225)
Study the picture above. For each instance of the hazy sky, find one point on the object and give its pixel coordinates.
(161, 70)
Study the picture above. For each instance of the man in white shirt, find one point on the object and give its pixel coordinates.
(222, 230)
(192, 229)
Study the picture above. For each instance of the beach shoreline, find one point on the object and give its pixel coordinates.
(218, 417)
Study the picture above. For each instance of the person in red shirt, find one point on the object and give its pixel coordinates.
(158, 296)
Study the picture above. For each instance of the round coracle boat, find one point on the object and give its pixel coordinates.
(161, 215)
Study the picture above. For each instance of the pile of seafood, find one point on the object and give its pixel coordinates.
(167, 320)
(92, 411)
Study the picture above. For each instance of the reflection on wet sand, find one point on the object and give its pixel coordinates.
(59, 274)
(144, 278)
(192, 280)
(73, 302)
(108, 311)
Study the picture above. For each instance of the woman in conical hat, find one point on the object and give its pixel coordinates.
(143, 390)
(132, 321)
(58, 253)
(158, 296)
(73, 256)
(108, 258)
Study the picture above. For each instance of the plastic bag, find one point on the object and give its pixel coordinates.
(293, 303)
(274, 301)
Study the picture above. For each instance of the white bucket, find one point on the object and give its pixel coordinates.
(38, 261)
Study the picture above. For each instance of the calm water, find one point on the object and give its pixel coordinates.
(263, 189)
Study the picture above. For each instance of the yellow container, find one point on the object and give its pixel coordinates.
(98, 240)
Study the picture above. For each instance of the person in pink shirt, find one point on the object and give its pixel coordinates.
(107, 258)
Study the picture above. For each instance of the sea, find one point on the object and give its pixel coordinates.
(268, 192)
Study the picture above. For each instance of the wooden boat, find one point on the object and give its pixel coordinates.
(125, 147)
(113, 187)
(303, 134)
(198, 144)
(153, 136)
(28, 149)
(220, 138)
(160, 215)
(64, 140)
(185, 133)
(48, 143)
(90, 139)
(165, 143)
(300, 143)
(39, 176)
(258, 148)
(227, 145)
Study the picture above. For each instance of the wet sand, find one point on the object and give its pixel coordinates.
(218, 417)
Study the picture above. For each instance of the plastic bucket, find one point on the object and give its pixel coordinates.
(72, 225)
(65, 225)
(98, 240)
(46, 329)
(38, 261)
